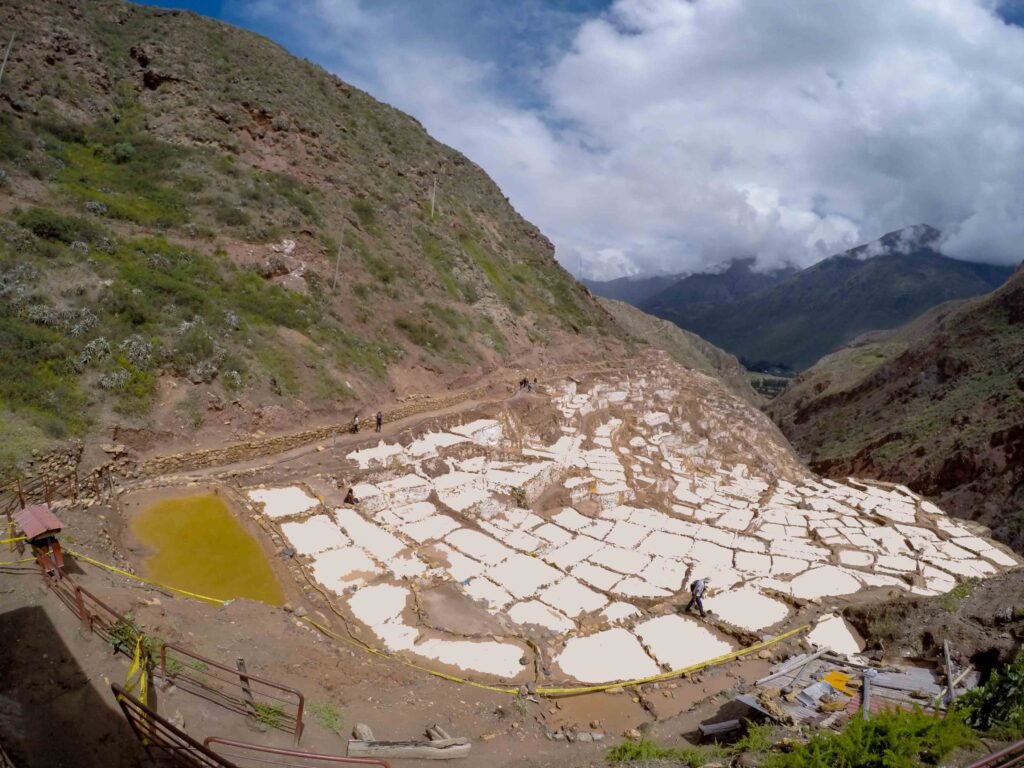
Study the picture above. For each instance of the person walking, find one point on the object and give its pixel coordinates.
(380, 420)
(697, 590)
(355, 423)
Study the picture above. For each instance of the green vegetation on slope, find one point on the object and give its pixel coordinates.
(153, 163)
(684, 347)
(936, 405)
(892, 739)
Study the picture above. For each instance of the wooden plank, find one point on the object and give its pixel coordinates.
(711, 729)
(447, 749)
(950, 679)
(798, 663)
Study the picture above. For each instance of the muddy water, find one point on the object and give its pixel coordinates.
(198, 545)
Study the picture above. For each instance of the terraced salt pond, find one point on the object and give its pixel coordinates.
(197, 544)
(658, 478)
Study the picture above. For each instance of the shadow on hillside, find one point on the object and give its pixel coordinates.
(50, 715)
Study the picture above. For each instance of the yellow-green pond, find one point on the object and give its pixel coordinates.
(199, 546)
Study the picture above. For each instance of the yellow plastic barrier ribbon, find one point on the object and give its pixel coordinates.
(137, 672)
(452, 678)
(14, 539)
(86, 558)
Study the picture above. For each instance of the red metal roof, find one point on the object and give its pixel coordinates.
(37, 520)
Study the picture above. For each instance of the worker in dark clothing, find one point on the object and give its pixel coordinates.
(380, 420)
(697, 590)
(350, 497)
(355, 423)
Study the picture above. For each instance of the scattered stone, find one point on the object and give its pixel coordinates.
(362, 732)
(632, 734)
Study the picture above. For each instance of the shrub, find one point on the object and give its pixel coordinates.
(892, 739)
(50, 225)
(998, 705)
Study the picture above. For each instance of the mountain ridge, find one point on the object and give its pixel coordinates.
(807, 314)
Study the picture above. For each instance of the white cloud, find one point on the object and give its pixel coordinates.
(674, 135)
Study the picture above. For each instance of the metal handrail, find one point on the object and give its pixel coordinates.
(211, 741)
(1010, 757)
(243, 702)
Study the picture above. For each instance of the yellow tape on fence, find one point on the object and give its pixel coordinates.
(14, 539)
(551, 692)
(137, 672)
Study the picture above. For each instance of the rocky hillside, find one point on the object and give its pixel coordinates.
(686, 348)
(198, 230)
(792, 324)
(938, 404)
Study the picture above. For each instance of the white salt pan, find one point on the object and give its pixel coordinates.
(832, 632)
(282, 502)
(747, 608)
(535, 612)
(315, 535)
(336, 568)
(523, 575)
(826, 581)
(680, 642)
(606, 656)
(478, 546)
(572, 598)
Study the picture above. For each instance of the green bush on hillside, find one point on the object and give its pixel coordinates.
(50, 225)
(892, 739)
(998, 705)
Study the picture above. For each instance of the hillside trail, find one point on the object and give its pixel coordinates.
(499, 388)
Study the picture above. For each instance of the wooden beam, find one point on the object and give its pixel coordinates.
(446, 749)
(950, 680)
(794, 664)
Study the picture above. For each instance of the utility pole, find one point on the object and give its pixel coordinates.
(6, 55)
(337, 258)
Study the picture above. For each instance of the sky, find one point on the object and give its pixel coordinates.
(673, 136)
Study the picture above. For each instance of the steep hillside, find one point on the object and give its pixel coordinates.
(938, 405)
(880, 285)
(632, 290)
(698, 293)
(686, 348)
(190, 217)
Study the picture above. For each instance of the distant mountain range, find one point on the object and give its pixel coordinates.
(632, 290)
(790, 319)
(937, 404)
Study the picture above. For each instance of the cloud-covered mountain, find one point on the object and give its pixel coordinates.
(793, 323)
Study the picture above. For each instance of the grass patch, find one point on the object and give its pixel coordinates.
(270, 715)
(422, 332)
(951, 601)
(281, 370)
(645, 750)
(328, 716)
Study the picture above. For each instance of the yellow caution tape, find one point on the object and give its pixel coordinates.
(14, 539)
(137, 677)
(16, 562)
(579, 689)
(444, 675)
(86, 558)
